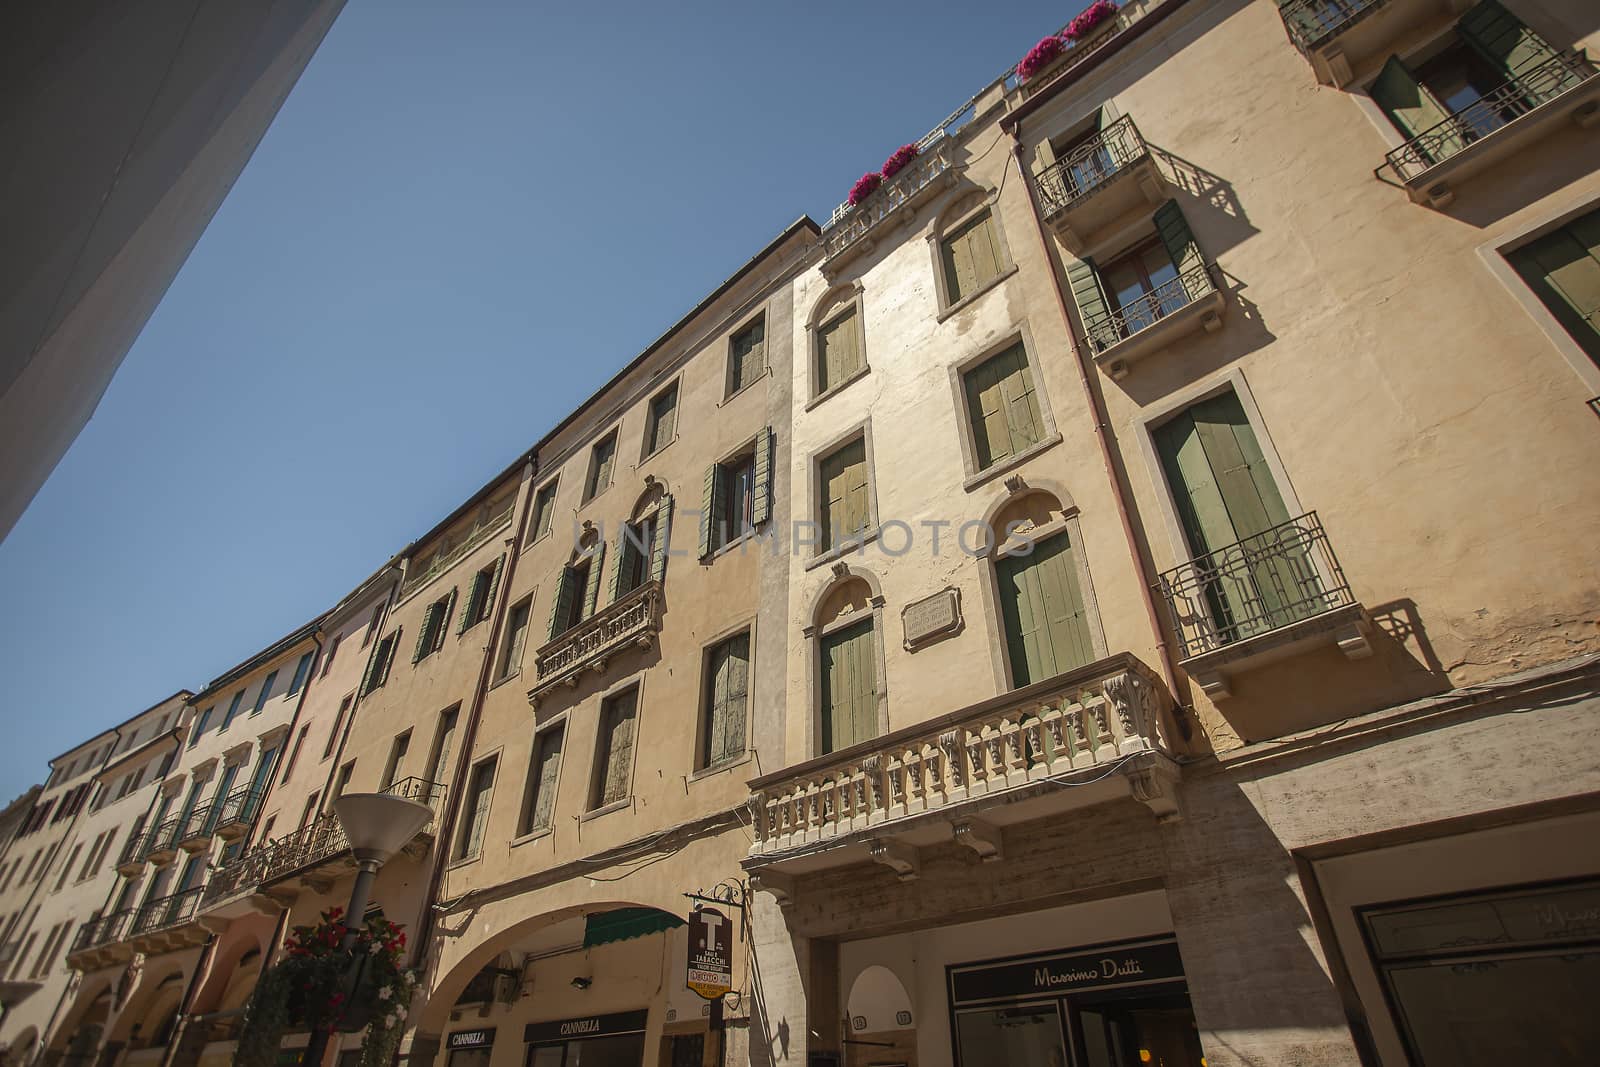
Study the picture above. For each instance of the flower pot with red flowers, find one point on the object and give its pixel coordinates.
(1040, 58)
(1091, 22)
(901, 158)
(864, 187)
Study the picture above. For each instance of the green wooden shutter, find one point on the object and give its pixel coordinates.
(839, 355)
(761, 490)
(1181, 246)
(624, 547)
(1503, 39)
(561, 606)
(444, 618)
(1047, 627)
(1411, 108)
(1563, 270)
(591, 596)
(550, 742)
(423, 632)
(1084, 280)
(849, 687)
(388, 656)
(619, 746)
(492, 586)
(708, 508)
(663, 540)
(971, 257)
(991, 437)
(469, 610)
(726, 699)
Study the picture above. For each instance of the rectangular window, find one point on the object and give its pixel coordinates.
(397, 755)
(333, 650)
(200, 726)
(233, 709)
(480, 791)
(338, 721)
(576, 594)
(727, 694)
(309, 812)
(1003, 407)
(372, 626)
(430, 637)
(738, 487)
(382, 660)
(301, 669)
(737, 495)
(544, 510)
(635, 549)
(849, 687)
(516, 636)
(538, 809)
(342, 782)
(843, 511)
(601, 459)
(614, 758)
(294, 753)
(971, 256)
(661, 424)
(480, 596)
(747, 355)
(1563, 270)
(266, 691)
(66, 868)
(443, 743)
(840, 356)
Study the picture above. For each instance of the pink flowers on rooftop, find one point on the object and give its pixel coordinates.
(901, 156)
(864, 187)
(1053, 47)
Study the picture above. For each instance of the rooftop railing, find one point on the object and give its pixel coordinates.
(1166, 298)
(1090, 166)
(851, 225)
(1521, 94)
(1254, 586)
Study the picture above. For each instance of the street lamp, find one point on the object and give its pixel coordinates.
(377, 825)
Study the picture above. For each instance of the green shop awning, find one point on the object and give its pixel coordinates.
(624, 923)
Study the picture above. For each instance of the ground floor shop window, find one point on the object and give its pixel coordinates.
(1498, 977)
(615, 1040)
(1119, 1005)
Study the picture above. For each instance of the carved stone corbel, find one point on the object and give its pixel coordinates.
(899, 857)
(1156, 787)
(781, 886)
(981, 837)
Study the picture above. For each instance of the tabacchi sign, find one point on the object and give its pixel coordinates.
(710, 953)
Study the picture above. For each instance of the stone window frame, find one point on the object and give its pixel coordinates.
(746, 624)
(589, 472)
(1153, 418)
(636, 682)
(965, 205)
(836, 301)
(673, 383)
(1495, 252)
(562, 722)
(1017, 333)
(728, 392)
(464, 827)
(987, 561)
(553, 483)
(814, 489)
(813, 633)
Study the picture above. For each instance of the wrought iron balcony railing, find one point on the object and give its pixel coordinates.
(106, 930)
(197, 827)
(848, 226)
(1147, 310)
(1083, 719)
(166, 912)
(237, 811)
(444, 560)
(132, 854)
(1260, 584)
(318, 841)
(1312, 23)
(1091, 165)
(1523, 93)
(632, 620)
(163, 840)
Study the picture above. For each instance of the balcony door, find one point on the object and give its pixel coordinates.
(1563, 270)
(849, 687)
(1041, 600)
(1255, 572)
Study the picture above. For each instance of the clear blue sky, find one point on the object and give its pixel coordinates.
(466, 217)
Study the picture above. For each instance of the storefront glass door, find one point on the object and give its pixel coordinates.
(1023, 1034)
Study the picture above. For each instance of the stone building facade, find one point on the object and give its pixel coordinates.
(1121, 593)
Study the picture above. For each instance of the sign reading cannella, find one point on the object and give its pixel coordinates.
(710, 953)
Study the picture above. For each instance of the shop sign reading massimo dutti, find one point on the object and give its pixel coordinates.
(1131, 963)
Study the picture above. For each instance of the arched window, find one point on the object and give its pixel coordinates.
(846, 637)
(578, 584)
(837, 341)
(640, 553)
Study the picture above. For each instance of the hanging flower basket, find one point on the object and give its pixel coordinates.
(1040, 56)
(898, 161)
(864, 187)
(1090, 19)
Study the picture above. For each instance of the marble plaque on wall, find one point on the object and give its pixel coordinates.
(932, 618)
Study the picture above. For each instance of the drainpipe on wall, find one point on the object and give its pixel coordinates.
(1102, 423)
(469, 734)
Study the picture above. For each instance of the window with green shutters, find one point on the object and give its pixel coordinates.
(971, 257)
(538, 809)
(430, 637)
(747, 355)
(661, 424)
(614, 757)
(480, 791)
(840, 353)
(544, 511)
(1142, 285)
(1003, 407)
(1563, 270)
(601, 460)
(737, 495)
(844, 510)
(480, 596)
(849, 677)
(640, 552)
(577, 592)
(1041, 602)
(382, 659)
(726, 700)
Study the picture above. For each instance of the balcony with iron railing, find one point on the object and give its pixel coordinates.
(1263, 598)
(1184, 305)
(197, 831)
(1530, 105)
(313, 854)
(850, 230)
(969, 774)
(1103, 183)
(102, 941)
(162, 843)
(631, 622)
(1342, 39)
(168, 923)
(130, 861)
(449, 556)
(233, 817)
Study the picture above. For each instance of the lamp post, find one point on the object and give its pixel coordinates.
(377, 825)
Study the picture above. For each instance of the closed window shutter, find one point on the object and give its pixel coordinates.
(1181, 246)
(1084, 280)
(561, 606)
(1047, 629)
(591, 595)
(658, 550)
(549, 765)
(846, 474)
(423, 633)
(711, 508)
(1563, 270)
(1410, 106)
(761, 493)
(480, 814)
(849, 687)
(1021, 402)
(469, 611)
(444, 620)
(624, 548)
(730, 688)
(839, 357)
(1503, 39)
(971, 257)
(619, 747)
